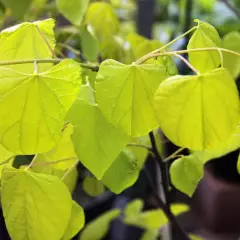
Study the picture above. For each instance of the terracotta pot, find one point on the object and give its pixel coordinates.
(216, 201)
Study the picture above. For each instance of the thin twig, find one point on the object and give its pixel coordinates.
(32, 162)
(46, 41)
(165, 208)
(71, 49)
(235, 10)
(70, 170)
(90, 66)
(176, 153)
(186, 62)
(146, 57)
(53, 162)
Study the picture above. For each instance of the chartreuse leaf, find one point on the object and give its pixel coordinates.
(153, 219)
(231, 62)
(76, 222)
(33, 121)
(231, 144)
(204, 37)
(34, 202)
(18, 8)
(123, 173)
(124, 94)
(194, 237)
(186, 172)
(62, 151)
(151, 234)
(70, 180)
(89, 43)
(133, 208)
(73, 10)
(102, 17)
(93, 187)
(98, 228)
(96, 142)
(24, 42)
(141, 46)
(4, 156)
(188, 109)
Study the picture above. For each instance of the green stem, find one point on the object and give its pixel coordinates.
(173, 53)
(71, 49)
(31, 164)
(146, 57)
(50, 60)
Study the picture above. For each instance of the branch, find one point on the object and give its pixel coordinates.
(167, 211)
(92, 67)
(235, 10)
(161, 165)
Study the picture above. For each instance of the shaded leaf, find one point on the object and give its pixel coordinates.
(93, 187)
(98, 228)
(95, 140)
(186, 172)
(76, 222)
(134, 207)
(73, 10)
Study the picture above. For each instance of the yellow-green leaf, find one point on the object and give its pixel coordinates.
(98, 228)
(33, 106)
(151, 234)
(124, 94)
(96, 141)
(73, 10)
(133, 208)
(188, 109)
(27, 41)
(62, 154)
(231, 62)
(186, 172)
(205, 36)
(123, 173)
(35, 206)
(76, 222)
(102, 17)
(93, 187)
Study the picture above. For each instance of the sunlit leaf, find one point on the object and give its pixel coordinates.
(186, 172)
(205, 36)
(76, 221)
(34, 202)
(188, 109)
(123, 173)
(231, 62)
(73, 10)
(98, 228)
(93, 187)
(24, 42)
(96, 142)
(5, 155)
(124, 94)
(33, 106)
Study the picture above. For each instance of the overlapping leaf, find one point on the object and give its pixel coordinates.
(124, 94)
(73, 10)
(205, 36)
(186, 172)
(97, 143)
(92, 186)
(28, 41)
(189, 109)
(35, 206)
(33, 106)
